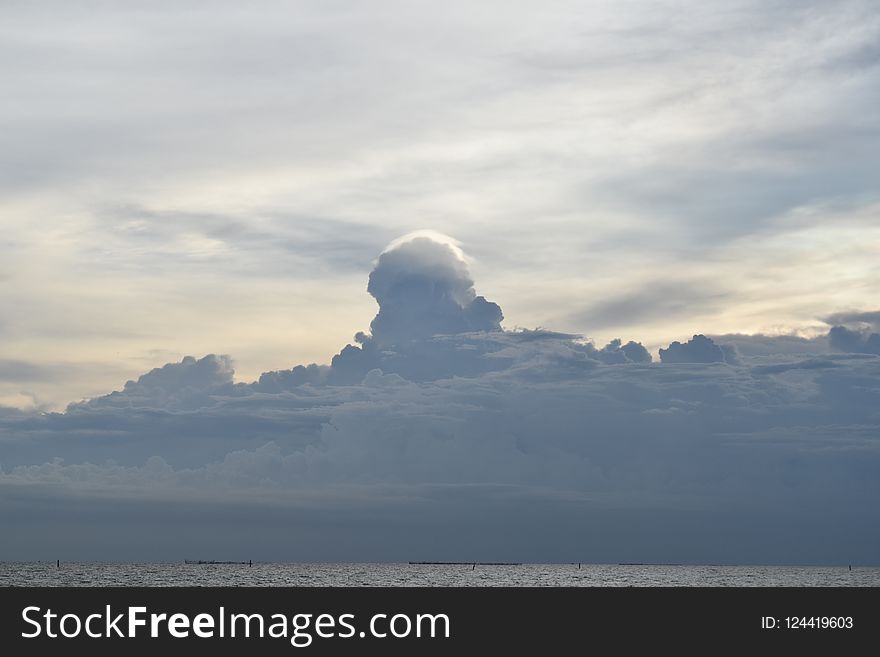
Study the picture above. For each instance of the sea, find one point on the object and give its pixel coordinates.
(96, 573)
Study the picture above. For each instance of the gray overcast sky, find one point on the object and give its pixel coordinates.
(187, 177)
(205, 187)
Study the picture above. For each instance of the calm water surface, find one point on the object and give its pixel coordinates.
(369, 574)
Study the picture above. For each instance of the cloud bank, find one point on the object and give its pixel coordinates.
(439, 434)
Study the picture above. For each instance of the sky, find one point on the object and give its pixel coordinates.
(186, 178)
(357, 276)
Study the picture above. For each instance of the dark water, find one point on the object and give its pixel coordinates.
(368, 574)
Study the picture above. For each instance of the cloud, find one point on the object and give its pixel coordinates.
(297, 154)
(482, 454)
(854, 341)
(423, 289)
(662, 206)
(854, 331)
(663, 299)
(865, 319)
(616, 352)
(425, 295)
(773, 346)
(189, 373)
(698, 349)
(811, 364)
(442, 435)
(19, 370)
(186, 382)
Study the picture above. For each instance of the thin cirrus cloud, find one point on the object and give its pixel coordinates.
(440, 434)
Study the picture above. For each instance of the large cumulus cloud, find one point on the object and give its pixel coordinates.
(425, 294)
(423, 288)
(441, 435)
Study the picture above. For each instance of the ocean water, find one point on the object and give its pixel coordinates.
(93, 573)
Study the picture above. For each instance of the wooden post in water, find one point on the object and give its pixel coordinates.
(250, 563)
(58, 563)
(579, 566)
